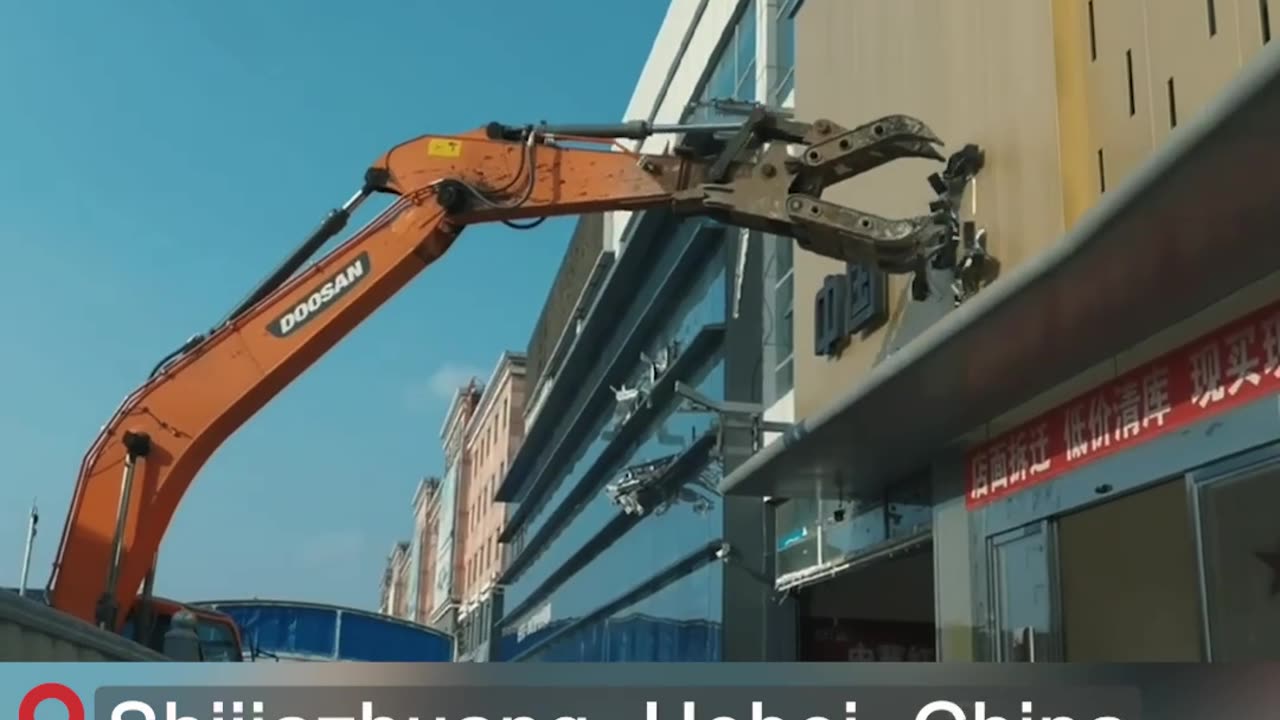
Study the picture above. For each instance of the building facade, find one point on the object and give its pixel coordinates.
(622, 549)
(493, 435)
(409, 580)
(586, 262)
(445, 577)
(449, 562)
(394, 592)
(424, 550)
(1062, 449)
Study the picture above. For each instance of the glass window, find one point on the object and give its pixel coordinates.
(680, 237)
(784, 322)
(733, 75)
(652, 545)
(785, 58)
(745, 54)
(1023, 595)
(668, 436)
(796, 522)
(724, 83)
(159, 627)
(785, 249)
(704, 304)
(1242, 565)
(784, 378)
(678, 623)
(782, 330)
(218, 642)
(746, 89)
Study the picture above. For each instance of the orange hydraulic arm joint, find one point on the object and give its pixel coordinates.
(149, 452)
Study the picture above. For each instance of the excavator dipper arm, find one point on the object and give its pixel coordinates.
(149, 452)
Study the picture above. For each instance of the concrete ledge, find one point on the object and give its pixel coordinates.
(31, 631)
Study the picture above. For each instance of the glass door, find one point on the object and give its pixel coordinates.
(1024, 594)
(1239, 542)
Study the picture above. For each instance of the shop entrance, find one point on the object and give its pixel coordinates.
(1129, 579)
(1240, 541)
(1115, 582)
(881, 611)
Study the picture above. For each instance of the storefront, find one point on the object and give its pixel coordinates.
(1098, 427)
(1135, 522)
(877, 610)
(861, 575)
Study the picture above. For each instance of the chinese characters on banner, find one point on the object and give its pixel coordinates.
(1233, 365)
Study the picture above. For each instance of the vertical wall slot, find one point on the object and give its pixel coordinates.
(1264, 18)
(1211, 7)
(1173, 105)
(1093, 34)
(1128, 63)
(1102, 173)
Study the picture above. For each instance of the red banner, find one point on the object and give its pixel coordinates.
(1224, 369)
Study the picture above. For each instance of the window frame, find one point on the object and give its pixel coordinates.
(725, 59)
(788, 316)
(784, 83)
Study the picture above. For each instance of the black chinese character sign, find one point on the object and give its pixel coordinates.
(855, 301)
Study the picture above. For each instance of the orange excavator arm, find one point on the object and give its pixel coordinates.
(149, 452)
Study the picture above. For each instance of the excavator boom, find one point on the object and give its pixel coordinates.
(149, 452)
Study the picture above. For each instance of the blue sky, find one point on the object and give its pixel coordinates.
(157, 158)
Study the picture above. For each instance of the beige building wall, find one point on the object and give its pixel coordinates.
(1044, 87)
(1067, 98)
(493, 436)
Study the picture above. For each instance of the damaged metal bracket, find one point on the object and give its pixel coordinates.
(964, 249)
(628, 491)
(629, 399)
(733, 416)
(655, 486)
(977, 267)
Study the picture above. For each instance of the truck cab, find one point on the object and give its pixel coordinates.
(220, 639)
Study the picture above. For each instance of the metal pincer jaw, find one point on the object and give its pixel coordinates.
(781, 193)
(835, 154)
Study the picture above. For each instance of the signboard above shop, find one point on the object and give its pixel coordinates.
(1224, 369)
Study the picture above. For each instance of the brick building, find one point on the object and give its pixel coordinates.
(494, 433)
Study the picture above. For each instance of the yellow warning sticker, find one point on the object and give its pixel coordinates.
(444, 147)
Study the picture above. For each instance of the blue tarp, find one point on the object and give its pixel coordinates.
(309, 631)
(306, 631)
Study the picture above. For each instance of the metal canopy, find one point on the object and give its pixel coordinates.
(1198, 221)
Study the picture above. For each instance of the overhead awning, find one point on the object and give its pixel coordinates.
(1200, 220)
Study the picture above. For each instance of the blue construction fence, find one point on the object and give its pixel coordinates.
(296, 631)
